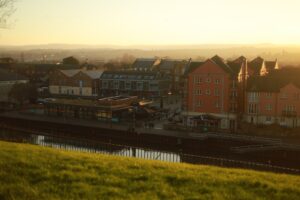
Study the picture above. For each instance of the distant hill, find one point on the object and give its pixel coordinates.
(287, 55)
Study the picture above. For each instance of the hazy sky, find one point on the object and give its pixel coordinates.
(132, 22)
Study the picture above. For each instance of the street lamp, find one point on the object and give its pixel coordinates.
(162, 100)
(132, 110)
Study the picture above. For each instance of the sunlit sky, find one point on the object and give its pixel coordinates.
(153, 22)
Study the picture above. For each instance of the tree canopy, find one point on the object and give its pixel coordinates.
(23, 92)
(6, 10)
(71, 61)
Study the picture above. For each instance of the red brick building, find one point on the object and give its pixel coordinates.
(211, 88)
(274, 99)
(218, 89)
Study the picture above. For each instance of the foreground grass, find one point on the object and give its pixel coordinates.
(33, 172)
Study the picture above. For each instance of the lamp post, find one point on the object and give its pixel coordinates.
(132, 110)
(162, 99)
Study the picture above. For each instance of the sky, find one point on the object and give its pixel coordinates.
(153, 22)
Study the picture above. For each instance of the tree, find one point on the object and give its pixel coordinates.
(23, 92)
(70, 61)
(6, 10)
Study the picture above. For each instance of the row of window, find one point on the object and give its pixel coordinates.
(289, 108)
(253, 108)
(198, 80)
(253, 96)
(207, 92)
(217, 104)
(129, 85)
(286, 96)
(199, 103)
(216, 92)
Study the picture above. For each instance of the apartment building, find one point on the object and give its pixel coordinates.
(274, 99)
(218, 88)
(135, 83)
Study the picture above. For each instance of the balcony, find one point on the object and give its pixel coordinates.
(286, 113)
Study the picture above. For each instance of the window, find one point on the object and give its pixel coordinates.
(105, 84)
(289, 108)
(128, 85)
(268, 107)
(116, 86)
(216, 92)
(199, 103)
(197, 79)
(217, 104)
(253, 97)
(207, 92)
(233, 107)
(269, 94)
(234, 94)
(198, 92)
(217, 81)
(284, 96)
(233, 84)
(139, 85)
(252, 108)
(268, 118)
(200, 80)
(208, 80)
(80, 83)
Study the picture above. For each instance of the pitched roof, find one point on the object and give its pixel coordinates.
(240, 59)
(10, 76)
(167, 64)
(70, 72)
(236, 64)
(221, 63)
(270, 65)
(263, 84)
(144, 63)
(275, 80)
(191, 66)
(256, 65)
(94, 74)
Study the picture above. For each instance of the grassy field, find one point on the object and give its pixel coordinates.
(33, 172)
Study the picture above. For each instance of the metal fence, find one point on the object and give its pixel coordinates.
(91, 146)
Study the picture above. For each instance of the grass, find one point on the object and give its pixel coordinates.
(33, 172)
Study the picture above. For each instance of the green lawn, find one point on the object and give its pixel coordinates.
(33, 172)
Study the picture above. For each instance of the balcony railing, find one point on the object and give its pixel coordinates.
(286, 113)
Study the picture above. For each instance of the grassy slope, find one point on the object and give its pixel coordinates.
(32, 172)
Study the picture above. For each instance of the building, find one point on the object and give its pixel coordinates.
(240, 76)
(75, 83)
(36, 72)
(211, 89)
(175, 68)
(217, 90)
(111, 109)
(274, 99)
(145, 64)
(260, 67)
(7, 80)
(135, 83)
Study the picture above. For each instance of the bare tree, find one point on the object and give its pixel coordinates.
(6, 10)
